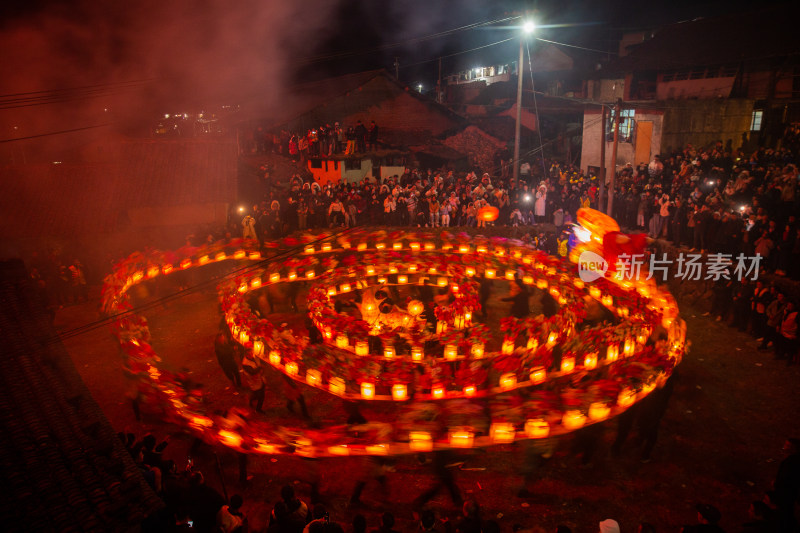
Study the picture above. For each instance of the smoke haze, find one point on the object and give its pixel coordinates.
(184, 53)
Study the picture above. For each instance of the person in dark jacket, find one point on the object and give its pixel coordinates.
(520, 308)
(787, 485)
(226, 355)
(361, 137)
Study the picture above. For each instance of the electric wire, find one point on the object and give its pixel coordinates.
(456, 53)
(605, 52)
(414, 40)
(51, 133)
(54, 96)
(535, 105)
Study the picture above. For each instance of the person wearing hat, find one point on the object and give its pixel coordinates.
(539, 206)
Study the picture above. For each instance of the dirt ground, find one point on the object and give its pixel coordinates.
(720, 441)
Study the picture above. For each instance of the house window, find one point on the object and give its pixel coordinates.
(352, 164)
(697, 74)
(755, 122)
(625, 125)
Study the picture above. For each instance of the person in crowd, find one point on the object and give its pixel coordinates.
(649, 417)
(372, 467)
(774, 312)
(708, 518)
(387, 524)
(225, 348)
(230, 518)
(319, 517)
(608, 525)
(249, 227)
(359, 524)
(762, 519)
(204, 503)
(787, 486)
(540, 204)
(759, 302)
(442, 467)
(646, 527)
(293, 509)
(428, 523)
(361, 134)
(470, 519)
(786, 336)
(372, 136)
(336, 213)
(253, 378)
(520, 308)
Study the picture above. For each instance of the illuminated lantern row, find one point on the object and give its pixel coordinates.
(260, 341)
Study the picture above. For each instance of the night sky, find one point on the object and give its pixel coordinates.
(149, 56)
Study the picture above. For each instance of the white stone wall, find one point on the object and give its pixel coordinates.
(593, 131)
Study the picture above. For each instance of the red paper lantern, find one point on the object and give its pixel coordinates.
(488, 213)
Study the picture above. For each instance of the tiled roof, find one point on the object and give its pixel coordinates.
(321, 102)
(501, 127)
(62, 465)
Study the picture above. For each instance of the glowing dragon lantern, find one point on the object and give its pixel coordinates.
(371, 311)
(599, 233)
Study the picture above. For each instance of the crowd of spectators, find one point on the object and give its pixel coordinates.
(714, 199)
(190, 504)
(763, 310)
(57, 281)
(324, 140)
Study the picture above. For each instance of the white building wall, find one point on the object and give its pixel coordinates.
(593, 132)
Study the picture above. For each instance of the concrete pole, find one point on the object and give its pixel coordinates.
(602, 177)
(520, 70)
(617, 120)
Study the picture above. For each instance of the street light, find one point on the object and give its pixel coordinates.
(527, 28)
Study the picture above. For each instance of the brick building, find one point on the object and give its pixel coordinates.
(733, 78)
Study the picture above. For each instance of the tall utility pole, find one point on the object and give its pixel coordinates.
(520, 70)
(397, 68)
(617, 120)
(439, 98)
(602, 176)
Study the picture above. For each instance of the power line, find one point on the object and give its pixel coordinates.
(606, 52)
(35, 98)
(54, 133)
(535, 105)
(77, 88)
(407, 42)
(458, 53)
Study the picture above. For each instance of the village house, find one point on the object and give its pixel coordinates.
(734, 78)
